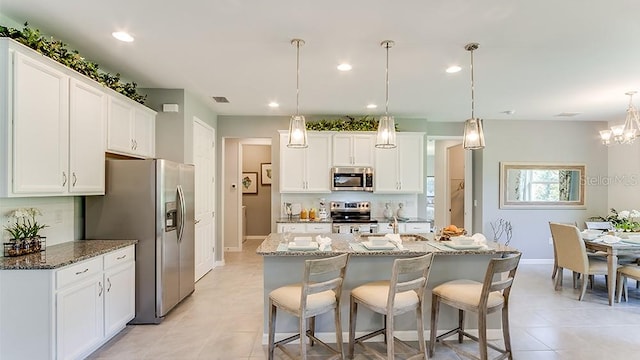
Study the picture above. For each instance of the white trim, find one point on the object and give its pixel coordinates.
(232, 248)
(220, 263)
(255, 237)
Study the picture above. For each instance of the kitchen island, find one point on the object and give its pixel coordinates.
(282, 266)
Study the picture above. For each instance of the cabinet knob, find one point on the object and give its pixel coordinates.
(197, 221)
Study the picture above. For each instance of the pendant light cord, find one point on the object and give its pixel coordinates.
(472, 89)
(297, 77)
(386, 104)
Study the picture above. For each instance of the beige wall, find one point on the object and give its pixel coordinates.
(258, 205)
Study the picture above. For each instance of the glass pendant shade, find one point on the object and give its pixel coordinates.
(297, 132)
(605, 136)
(473, 138)
(386, 138)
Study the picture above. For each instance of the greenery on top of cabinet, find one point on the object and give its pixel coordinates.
(346, 123)
(57, 50)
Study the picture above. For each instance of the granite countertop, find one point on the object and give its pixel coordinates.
(64, 254)
(274, 245)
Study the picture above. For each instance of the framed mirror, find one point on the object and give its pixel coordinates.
(541, 186)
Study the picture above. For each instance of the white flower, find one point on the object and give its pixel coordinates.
(19, 213)
(624, 214)
(634, 214)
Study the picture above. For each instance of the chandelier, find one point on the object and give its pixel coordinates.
(627, 132)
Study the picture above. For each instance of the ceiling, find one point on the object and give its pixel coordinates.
(536, 58)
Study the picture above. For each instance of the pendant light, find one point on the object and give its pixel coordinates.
(473, 138)
(297, 125)
(386, 138)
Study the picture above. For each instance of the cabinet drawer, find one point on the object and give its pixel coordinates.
(318, 228)
(118, 257)
(291, 227)
(417, 227)
(78, 272)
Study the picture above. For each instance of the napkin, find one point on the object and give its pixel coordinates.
(396, 240)
(479, 239)
(324, 243)
(610, 239)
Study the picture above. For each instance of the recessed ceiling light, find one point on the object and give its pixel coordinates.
(372, 106)
(508, 112)
(345, 67)
(453, 69)
(274, 104)
(122, 36)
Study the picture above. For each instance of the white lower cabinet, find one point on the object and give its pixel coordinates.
(404, 228)
(69, 312)
(304, 228)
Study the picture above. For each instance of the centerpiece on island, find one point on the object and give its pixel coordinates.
(24, 230)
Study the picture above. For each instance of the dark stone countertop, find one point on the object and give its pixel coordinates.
(64, 254)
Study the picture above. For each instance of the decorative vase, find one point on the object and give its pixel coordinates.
(388, 213)
(24, 246)
(400, 212)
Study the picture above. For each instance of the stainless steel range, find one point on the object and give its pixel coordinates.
(352, 217)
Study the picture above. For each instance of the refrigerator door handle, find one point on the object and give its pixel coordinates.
(181, 213)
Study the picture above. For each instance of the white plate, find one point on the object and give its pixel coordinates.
(461, 247)
(387, 246)
(632, 241)
(312, 246)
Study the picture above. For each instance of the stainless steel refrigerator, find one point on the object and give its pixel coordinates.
(151, 201)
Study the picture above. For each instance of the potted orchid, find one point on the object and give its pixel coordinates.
(25, 232)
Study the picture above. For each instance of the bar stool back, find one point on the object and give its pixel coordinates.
(482, 298)
(403, 293)
(310, 298)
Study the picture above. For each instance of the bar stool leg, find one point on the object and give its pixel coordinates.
(482, 334)
(272, 328)
(353, 313)
(389, 333)
(505, 329)
(420, 326)
(460, 325)
(312, 329)
(435, 305)
(303, 338)
(338, 322)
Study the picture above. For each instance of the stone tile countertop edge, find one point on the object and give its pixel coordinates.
(57, 256)
(340, 244)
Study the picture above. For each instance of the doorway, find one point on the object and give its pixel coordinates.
(449, 169)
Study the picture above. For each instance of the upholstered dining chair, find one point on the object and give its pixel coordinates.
(404, 292)
(624, 272)
(571, 254)
(482, 298)
(318, 293)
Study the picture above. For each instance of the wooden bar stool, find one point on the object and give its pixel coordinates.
(403, 293)
(318, 293)
(481, 298)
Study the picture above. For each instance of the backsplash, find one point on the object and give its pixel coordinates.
(57, 212)
(410, 201)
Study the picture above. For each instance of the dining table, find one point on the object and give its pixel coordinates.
(613, 251)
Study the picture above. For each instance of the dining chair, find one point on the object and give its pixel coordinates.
(482, 298)
(624, 272)
(571, 254)
(318, 293)
(404, 292)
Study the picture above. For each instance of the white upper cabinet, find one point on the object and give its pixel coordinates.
(353, 149)
(131, 129)
(400, 170)
(87, 119)
(306, 170)
(52, 123)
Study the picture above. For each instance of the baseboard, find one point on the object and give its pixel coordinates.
(232, 248)
(219, 263)
(255, 237)
(407, 335)
(536, 261)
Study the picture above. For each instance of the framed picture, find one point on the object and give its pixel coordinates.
(249, 182)
(265, 174)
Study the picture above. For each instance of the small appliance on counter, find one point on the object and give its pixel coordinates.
(322, 210)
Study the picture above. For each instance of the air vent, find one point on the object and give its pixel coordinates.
(220, 99)
(568, 114)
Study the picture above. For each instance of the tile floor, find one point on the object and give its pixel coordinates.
(223, 320)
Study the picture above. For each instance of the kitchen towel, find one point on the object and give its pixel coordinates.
(396, 240)
(324, 243)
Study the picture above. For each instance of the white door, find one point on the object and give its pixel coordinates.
(144, 133)
(119, 126)
(204, 160)
(120, 297)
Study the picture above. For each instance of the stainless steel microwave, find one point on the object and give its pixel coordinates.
(352, 179)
